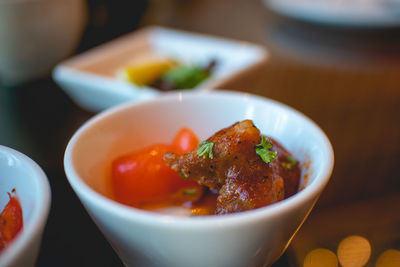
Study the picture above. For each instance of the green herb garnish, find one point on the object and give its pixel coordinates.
(183, 176)
(190, 192)
(186, 76)
(263, 149)
(205, 149)
(291, 162)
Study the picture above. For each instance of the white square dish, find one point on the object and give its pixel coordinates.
(90, 78)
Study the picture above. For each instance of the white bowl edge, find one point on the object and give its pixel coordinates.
(36, 223)
(178, 222)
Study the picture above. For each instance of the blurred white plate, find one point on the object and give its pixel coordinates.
(90, 78)
(353, 13)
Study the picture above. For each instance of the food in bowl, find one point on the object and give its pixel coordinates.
(11, 221)
(247, 169)
(141, 179)
(165, 73)
(236, 169)
(255, 237)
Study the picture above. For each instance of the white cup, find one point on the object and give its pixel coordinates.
(36, 34)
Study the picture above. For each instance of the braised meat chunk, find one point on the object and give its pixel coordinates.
(247, 169)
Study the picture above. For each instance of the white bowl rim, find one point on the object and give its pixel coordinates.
(153, 218)
(39, 215)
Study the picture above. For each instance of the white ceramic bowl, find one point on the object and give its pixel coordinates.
(141, 238)
(19, 172)
(352, 13)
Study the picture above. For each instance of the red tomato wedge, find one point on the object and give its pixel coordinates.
(142, 176)
(11, 221)
(185, 140)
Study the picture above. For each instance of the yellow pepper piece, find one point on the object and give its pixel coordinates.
(145, 72)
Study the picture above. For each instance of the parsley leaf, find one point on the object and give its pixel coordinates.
(190, 192)
(183, 176)
(263, 149)
(205, 149)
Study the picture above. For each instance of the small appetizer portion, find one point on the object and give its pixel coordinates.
(166, 74)
(248, 169)
(236, 169)
(146, 70)
(11, 221)
(141, 179)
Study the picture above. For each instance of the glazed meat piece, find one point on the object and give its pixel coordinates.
(228, 162)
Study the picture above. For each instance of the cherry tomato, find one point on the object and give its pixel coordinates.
(185, 140)
(143, 176)
(11, 221)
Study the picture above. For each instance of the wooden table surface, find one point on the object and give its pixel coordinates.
(347, 80)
